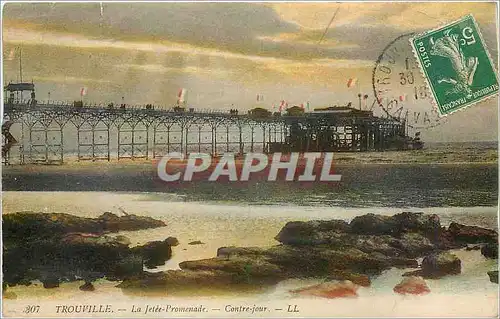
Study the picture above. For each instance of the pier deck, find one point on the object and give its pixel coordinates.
(51, 133)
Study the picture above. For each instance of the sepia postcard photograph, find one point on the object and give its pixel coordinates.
(204, 159)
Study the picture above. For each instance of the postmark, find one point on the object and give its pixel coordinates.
(400, 89)
(456, 65)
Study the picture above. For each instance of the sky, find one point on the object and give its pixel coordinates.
(225, 54)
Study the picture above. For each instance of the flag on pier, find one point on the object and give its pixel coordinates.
(181, 96)
(308, 106)
(282, 105)
(12, 55)
(83, 91)
(402, 98)
(351, 82)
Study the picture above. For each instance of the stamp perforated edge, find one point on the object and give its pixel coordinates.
(424, 75)
(441, 119)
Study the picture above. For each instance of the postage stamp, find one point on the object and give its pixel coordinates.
(400, 89)
(456, 65)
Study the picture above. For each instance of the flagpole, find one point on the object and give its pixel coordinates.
(21, 69)
(21, 65)
(358, 86)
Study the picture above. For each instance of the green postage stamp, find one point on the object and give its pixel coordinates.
(456, 64)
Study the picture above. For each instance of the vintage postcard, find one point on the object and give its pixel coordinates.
(249, 159)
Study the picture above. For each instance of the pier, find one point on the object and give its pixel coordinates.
(53, 133)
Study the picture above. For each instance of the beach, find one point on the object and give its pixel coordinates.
(251, 215)
(217, 225)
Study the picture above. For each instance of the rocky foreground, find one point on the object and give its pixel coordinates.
(336, 250)
(57, 247)
(53, 248)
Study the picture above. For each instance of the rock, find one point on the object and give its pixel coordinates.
(173, 278)
(385, 244)
(371, 224)
(94, 240)
(64, 259)
(54, 248)
(314, 232)
(412, 285)
(248, 269)
(472, 234)
(413, 245)
(490, 250)
(52, 282)
(405, 235)
(358, 279)
(113, 223)
(27, 226)
(318, 261)
(396, 251)
(330, 290)
(196, 242)
(87, 286)
(240, 251)
(183, 279)
(406, 222)
(413, 273)
(368, 233)
(426, 225)
(123, 240)
(172, 241)
(445, 241)
(401, 262)
(129, 265)
(441, 264)
(473, 247)
(493, 276)
(155, 253)
(410, 245)
(438, 265)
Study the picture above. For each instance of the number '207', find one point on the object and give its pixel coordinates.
(31, 309)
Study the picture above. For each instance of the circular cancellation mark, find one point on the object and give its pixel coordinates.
(400, 88)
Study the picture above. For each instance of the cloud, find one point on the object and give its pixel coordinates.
(270, 30)
(161, 69)
(68, 79)
(316, 16)
(146, 51)
(231, 27)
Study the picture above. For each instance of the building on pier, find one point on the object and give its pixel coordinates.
(344, 129)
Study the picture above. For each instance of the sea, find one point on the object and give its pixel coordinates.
(252, 214)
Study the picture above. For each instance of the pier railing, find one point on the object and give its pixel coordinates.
(48, 130)
(86, 104)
